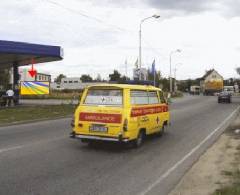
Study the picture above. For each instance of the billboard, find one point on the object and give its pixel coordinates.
(34, 88)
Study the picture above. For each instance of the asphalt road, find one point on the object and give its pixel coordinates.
(39, 158)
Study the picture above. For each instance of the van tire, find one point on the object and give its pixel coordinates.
(139, 140)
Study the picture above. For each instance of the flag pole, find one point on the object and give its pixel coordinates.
(154, 79)
(154, 72)
(126, 68)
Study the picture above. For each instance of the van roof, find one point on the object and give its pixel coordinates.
(140, 87)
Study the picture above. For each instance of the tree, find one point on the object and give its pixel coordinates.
(238, 70)
(164, 84)
(59, 78)
(115, 76)
(124, 78)
(186, 84)
(157, 77)
(86, 78)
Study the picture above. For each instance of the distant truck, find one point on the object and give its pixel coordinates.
(213, 87)
(194, 90)
(211, 83)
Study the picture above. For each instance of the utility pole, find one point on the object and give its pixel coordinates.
(140, 42)
(170, 72)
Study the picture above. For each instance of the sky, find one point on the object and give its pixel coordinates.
(100, 36)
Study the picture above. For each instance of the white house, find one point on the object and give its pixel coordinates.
(25, 76)
(73, 83)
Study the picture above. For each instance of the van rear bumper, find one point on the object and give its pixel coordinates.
(100, 138)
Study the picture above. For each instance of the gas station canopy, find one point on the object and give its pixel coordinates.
(19, 53)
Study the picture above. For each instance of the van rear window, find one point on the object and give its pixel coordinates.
(104, 97)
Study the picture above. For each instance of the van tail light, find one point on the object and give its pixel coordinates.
(125, 125)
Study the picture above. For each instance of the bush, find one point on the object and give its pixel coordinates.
(55, 94)
(177, 94)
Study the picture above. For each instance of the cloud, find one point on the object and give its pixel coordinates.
(31, 21)
(226, 8)
(91, 46)
(181, 5)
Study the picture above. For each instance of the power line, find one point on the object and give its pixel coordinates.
(85, 15)
(81, 13)
(98, 20)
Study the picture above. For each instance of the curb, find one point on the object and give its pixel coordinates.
(228, 122)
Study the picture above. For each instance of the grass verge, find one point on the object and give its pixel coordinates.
(234, 188)
(31, 113)
(234, 185)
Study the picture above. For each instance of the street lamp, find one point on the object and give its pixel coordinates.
(170, 75)
(175, 69)
(140, 41)
(175, 76)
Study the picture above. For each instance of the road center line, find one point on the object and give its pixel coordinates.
(11, 148)
(30, 144)
(174, 167)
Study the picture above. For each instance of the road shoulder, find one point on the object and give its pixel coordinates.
(214, 171)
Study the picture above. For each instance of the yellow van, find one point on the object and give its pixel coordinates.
(120, 113)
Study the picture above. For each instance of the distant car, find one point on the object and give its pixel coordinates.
(224, 96)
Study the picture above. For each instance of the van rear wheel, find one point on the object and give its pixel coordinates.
(139, 141)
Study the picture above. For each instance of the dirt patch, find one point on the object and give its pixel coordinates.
(216, 168)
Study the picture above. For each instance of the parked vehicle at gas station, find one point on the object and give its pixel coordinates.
(120, 113)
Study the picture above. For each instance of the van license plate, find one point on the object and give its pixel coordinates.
(98, 128)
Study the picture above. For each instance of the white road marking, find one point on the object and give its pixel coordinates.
(174, 167)
(11, 148)
(28, 145)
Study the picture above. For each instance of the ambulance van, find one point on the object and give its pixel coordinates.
(120, 113)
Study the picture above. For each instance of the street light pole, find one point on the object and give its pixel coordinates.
(140, 42)
(175, 80)
(175, 75)
(170, 72)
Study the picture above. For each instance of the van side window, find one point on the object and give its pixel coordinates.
(153, 97)
(139, 97)
(162, 99)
